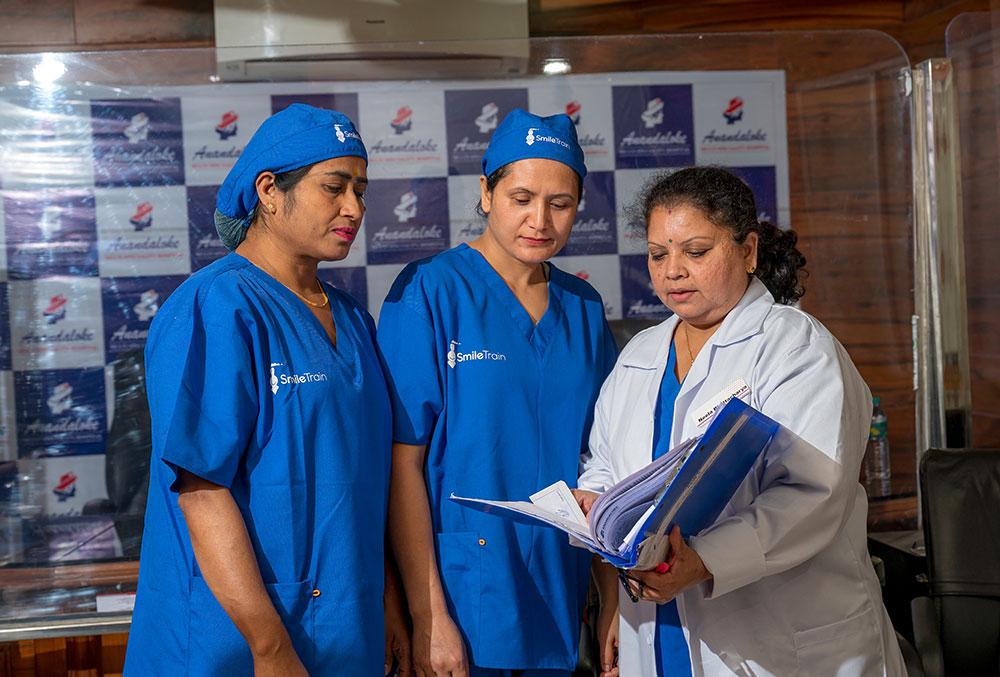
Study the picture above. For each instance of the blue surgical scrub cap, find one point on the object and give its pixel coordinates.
(297, 136)
(524, 135)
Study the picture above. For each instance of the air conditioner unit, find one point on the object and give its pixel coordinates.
(370, 39)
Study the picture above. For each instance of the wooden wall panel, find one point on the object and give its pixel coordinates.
(977, 71)
(36, 23)
(138, 21)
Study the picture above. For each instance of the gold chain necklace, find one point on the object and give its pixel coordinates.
(687, 342)
(326, 299)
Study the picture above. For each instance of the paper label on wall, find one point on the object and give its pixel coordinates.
(124, 601)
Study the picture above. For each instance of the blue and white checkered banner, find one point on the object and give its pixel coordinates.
(107, 202)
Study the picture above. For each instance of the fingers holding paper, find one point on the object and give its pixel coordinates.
(685, 570)
(585, 499)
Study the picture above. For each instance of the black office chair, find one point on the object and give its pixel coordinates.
(957, 628)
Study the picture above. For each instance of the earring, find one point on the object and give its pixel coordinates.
(271, 208)
(751, 269)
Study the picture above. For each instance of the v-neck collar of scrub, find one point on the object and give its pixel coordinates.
(297, 304)
(536, 334)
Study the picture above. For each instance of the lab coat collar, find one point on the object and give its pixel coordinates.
(744, 320)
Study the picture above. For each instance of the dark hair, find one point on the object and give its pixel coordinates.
(500, 172)
(728, 202)
(286, 183)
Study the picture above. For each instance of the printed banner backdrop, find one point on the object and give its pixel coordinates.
(107, 207)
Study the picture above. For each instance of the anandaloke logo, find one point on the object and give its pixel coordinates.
(228, 126)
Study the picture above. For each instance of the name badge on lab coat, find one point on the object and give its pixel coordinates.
(737, 388)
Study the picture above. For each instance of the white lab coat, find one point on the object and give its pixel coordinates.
(793, 589)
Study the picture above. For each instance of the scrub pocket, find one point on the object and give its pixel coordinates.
(852, 646)
(217, 649)
(460, 562)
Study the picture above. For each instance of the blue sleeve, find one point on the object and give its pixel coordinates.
(610, 350)
(407, 342)
(202, 395)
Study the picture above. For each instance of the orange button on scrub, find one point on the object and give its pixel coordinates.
(316, 593)
(482, 541)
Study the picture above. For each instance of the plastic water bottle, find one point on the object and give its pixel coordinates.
(877, 472)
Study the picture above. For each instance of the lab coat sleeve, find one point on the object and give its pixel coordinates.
(203, 395)
(809, 480)
(595, 463)
(408, 344)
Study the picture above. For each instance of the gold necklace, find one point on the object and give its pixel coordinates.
(326, 299)
(687, 342)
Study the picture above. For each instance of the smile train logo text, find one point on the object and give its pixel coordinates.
(277, 380)
(455, 356)
(342, 135)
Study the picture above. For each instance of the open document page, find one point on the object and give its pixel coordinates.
(688, 486)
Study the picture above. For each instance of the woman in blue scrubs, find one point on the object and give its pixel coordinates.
(495, 359)
(263, 547)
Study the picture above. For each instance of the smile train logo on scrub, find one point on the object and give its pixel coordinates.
(455, 357)
(342, 136)
(277, 380)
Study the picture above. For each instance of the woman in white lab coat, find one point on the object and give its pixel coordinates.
(782, 583)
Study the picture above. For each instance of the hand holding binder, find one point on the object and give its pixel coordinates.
(688, 486)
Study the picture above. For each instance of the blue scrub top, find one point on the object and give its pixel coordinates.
(504, 407)
(246, 390)
(672, 657)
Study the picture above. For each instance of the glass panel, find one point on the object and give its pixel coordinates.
(974, 49)
(111, 160)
